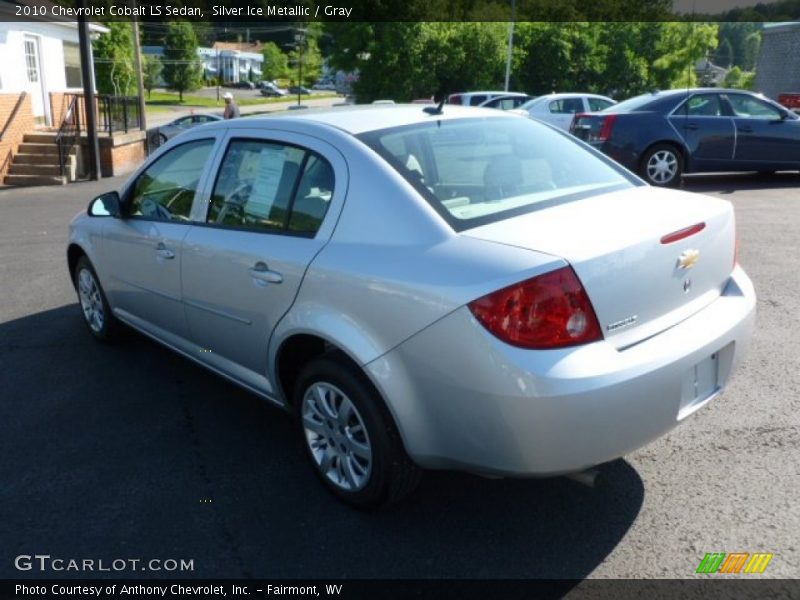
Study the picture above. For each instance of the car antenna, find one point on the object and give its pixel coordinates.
(434, 110)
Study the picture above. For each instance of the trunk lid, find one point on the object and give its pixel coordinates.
(638, 284)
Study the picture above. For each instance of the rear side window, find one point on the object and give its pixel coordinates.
(476, 171)
(598, 104)
(478, 99)
(702, 105)
(273, 187)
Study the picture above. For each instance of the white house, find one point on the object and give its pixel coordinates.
(40, 58)
(232, 62)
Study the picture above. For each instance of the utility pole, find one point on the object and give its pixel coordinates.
(87, 74)
(219, 74)
(510, 41)
(300, 39)
(137, 56)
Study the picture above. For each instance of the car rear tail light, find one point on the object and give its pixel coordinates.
(605, 129)
(548, 311)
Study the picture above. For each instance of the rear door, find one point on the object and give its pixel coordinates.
(708, 130)
(764, 137)
(269, 212)
(561, 111)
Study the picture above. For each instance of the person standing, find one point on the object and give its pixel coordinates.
(231, 108)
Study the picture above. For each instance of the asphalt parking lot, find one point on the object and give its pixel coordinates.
(130, 451)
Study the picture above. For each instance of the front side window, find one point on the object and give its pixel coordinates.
(747, 106)
(475, 171)
(165, 190)
(271, 187)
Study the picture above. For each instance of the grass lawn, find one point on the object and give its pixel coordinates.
(159, 98)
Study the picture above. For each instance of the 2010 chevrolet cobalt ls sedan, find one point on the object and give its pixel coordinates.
(447, 288)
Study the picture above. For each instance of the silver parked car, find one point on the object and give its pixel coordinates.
(437, 287)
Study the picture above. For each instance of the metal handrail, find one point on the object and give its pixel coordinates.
(13, 114)
(68, 133)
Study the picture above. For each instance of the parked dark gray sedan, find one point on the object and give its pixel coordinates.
(170, 130)
(662, 135)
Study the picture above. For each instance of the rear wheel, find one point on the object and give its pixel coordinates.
(349, 435)
(662, 165)
(95, 309)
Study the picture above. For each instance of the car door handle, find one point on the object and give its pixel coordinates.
(692, 126)
(163, 252)
(746, 129)
(262, 272)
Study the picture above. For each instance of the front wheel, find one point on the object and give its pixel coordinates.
(662, 165)
(96, 312)
(350, 437)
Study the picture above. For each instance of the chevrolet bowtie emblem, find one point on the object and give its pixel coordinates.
(688, 259)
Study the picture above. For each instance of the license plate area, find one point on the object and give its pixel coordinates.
(700, 384)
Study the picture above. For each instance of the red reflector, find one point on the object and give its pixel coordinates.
(548, 311)
(681, 234)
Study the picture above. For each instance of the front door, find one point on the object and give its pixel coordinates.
(764, 137)
(35, 85)
(243, 266)
(144, 249)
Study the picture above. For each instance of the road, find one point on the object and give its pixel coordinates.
(130, 451)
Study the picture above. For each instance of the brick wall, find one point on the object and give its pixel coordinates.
(122, 153)
(23, 123)
(778, 65)
(59, 103)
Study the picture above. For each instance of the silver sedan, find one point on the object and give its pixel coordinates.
(424, 287)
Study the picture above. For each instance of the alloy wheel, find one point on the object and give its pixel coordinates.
(337, 437)
(91, 300)
(662, 166)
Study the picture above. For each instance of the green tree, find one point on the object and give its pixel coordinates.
(276, 63)
(312, 62)
(739, 79)
(182, 71)
(151, 72)
(752, 48)
(679, 47)
(113, 58)
(724, 55)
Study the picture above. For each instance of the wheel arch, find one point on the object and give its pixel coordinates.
(74, 253)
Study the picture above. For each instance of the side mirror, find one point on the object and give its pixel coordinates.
(107, 205)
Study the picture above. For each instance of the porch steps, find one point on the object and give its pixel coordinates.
(36, 162)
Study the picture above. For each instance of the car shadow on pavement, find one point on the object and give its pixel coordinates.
(730, 183)
(131, 451)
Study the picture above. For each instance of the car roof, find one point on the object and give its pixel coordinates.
(357, 119)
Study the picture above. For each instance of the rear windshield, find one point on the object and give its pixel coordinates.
(480, 170)
(633, 104)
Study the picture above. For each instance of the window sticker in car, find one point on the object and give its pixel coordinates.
(265, 185)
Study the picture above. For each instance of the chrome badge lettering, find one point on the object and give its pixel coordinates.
(623, 323)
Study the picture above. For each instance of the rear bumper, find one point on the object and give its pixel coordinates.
(463, 399)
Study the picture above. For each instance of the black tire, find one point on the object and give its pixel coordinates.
(670, 157)
(107, 330)
(392, 475)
